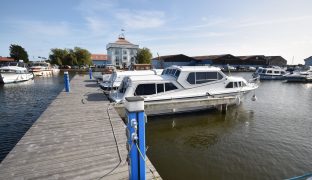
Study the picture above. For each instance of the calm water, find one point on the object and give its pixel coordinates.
(267, 139)
(20, 106)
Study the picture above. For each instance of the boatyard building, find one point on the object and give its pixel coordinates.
(178, 59)
(308, 61)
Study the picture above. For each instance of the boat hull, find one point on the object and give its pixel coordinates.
(270, 77)
(14, 78)
(43, 73)
(174, 106)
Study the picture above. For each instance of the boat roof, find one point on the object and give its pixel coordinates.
(195, 68)
(140, 72)
(147, 78)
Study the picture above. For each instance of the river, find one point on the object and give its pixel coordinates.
(270, 138)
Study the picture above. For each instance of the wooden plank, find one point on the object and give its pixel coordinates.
(73, 139)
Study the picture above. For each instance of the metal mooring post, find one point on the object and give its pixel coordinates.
(90, 72)
(66, 81)
(136, 137)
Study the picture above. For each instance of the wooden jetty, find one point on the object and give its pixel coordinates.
(79, 136)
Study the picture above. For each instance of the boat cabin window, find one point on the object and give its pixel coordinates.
(229, 85)
(170, 86)
(160, 88)
(282, 72)
(203, 77)
(276, 72)
(235, 84)
(177, 73)
(149, 89)
(269, 71)
(145, 89)
(171, 72)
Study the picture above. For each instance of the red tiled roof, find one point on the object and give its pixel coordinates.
(6, 59)
(98, 57)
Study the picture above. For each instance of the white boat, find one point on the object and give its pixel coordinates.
(299, 76)
(183, 83)
(55, 70)
(41, 69)
(13, 72)
(116, 77)
(274, 73)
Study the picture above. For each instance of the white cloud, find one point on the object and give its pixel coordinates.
(41, 28)
(255, 22)
(141, 19)
(93, 6)
(96, 25)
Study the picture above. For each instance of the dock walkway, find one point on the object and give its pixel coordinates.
(79, 136)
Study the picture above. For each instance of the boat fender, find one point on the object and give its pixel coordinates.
(254, 98)
(237, 100)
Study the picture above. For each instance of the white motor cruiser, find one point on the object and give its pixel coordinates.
(116, 77)
(41, 69)
(13, 72)
(299, 76)
(182, 83)
(274, 73)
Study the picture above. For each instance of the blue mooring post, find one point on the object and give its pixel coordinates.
(136, 137)
(66, 81)
(90, 72)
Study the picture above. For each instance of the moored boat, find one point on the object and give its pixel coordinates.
(41, 69)
(273, 73)
(117, 76)
(13, 72)
(183, 83)
(299, 76)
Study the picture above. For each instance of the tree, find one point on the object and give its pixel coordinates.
(57, 56)
(144, 56)
(83, 56)
(17, 52)
(76, 56)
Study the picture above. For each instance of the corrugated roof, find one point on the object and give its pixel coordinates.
(250, 56)
(210, 57)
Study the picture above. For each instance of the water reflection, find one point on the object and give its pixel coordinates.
(265, 139)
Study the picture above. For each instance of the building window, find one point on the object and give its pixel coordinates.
(124, 51)
(124, 58)
(131, 52)
(117, 61)
(116, 51)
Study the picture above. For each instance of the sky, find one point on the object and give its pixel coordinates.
(166, 27)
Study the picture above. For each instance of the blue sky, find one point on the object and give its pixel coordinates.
(199, 27)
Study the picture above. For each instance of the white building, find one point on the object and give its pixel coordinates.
(122, 53)
(308, 61)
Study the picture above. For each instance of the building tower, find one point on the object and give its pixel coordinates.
(122, 53)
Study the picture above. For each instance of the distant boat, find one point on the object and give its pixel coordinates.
(299, 76)
(274, 73)
(41, 69)
(13, 72)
